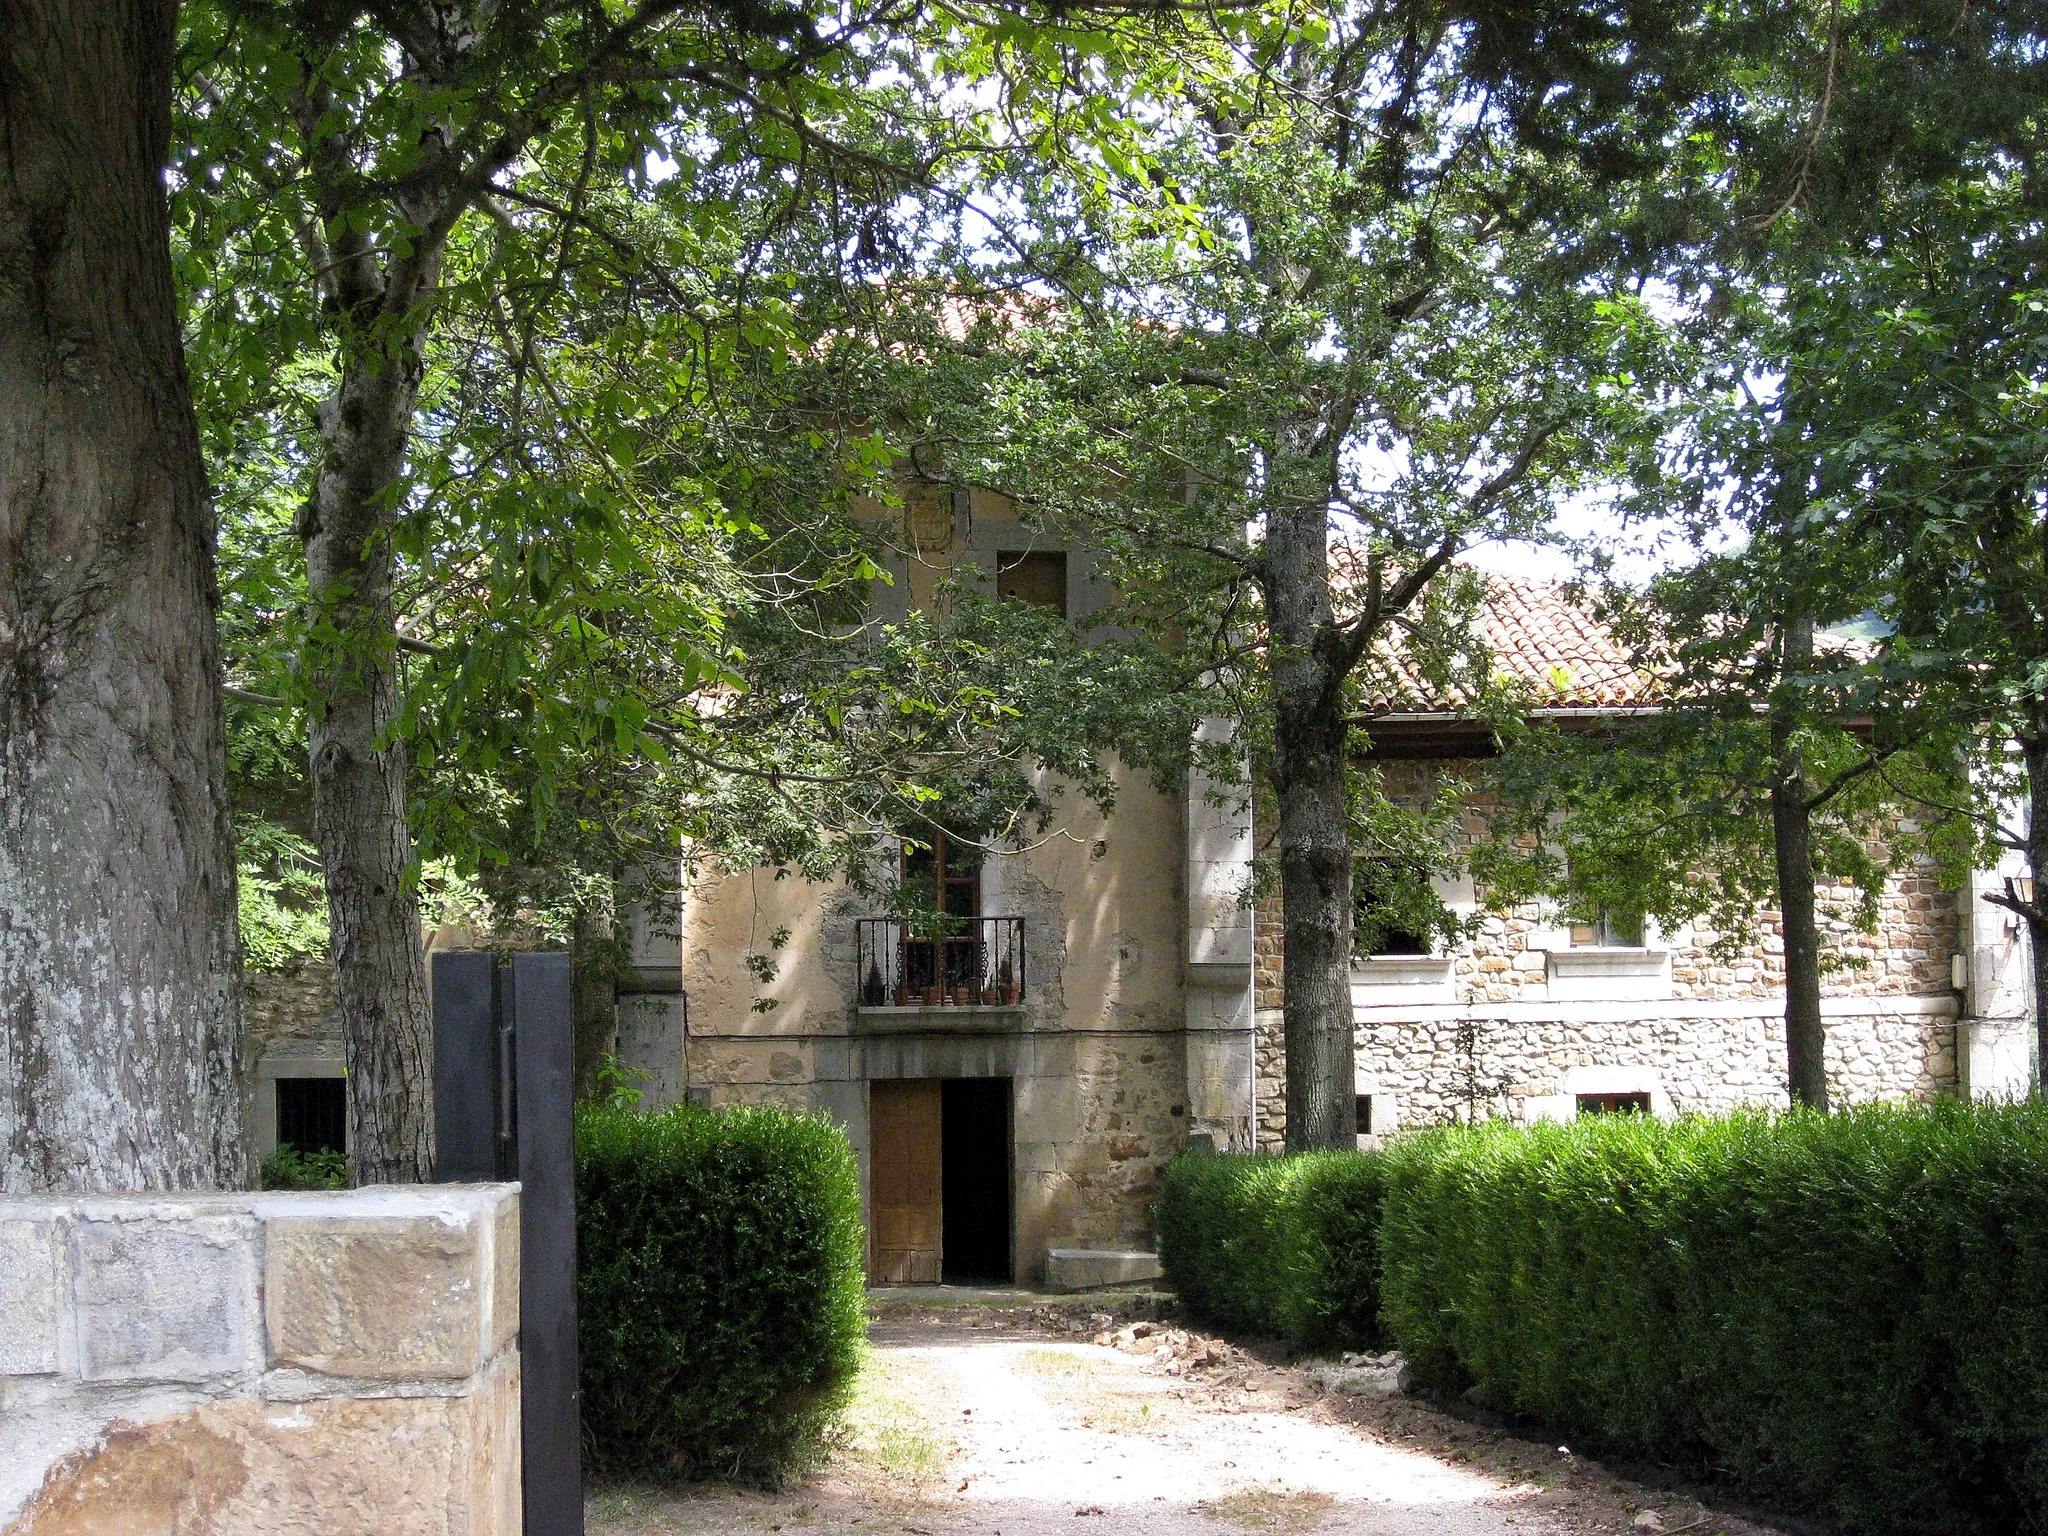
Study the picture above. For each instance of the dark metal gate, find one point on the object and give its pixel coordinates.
(503, 1109)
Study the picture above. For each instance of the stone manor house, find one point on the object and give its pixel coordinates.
(1013, 1081)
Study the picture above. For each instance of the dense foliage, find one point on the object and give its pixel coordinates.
(719, 1289)
(1284, 1246)
(289, 1168)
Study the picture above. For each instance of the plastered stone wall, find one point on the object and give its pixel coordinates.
(251, 1364)
(1097, 1052)
(1507, 1030)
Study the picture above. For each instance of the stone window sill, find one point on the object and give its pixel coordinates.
(1401, 970)
(1590, 963)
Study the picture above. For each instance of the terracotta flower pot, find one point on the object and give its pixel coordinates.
(1009, 991)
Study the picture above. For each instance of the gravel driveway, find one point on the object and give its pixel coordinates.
(1043, 1421)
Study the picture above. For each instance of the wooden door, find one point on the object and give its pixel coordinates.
(905, 1178)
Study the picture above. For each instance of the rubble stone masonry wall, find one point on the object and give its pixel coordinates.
(1702, 1031)
(248, 1364)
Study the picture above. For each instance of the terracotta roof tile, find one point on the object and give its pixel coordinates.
(1543, 638)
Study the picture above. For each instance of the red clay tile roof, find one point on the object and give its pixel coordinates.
(1543, 639)
(1558, 649)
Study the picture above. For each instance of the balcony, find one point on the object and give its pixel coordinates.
(968, 968)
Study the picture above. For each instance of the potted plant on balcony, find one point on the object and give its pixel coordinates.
(1006, 984)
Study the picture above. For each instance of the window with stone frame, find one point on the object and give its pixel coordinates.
(1394, 909)
(1361, 1107)
(1608, 929)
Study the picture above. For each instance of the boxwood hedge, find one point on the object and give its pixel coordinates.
(719, 1293)
(1282, 1246)
(1847, 1313)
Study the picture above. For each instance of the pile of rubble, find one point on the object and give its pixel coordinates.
(1178, 1350)
(1363, 1375)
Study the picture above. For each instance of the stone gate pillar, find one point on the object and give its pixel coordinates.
(345, 1362)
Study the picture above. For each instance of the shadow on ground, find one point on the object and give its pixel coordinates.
(997, 1413)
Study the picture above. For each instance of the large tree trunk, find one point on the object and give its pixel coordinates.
(1310, 777)
(1792, 845)
(120, 966)
(361, 772)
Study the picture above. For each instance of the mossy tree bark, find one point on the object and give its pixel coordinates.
(120, 1012)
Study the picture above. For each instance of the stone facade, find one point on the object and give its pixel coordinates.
(1106, 1074)
(241, 1365)
(1518, 1021)
(1532, 1064)
(1134, 1030)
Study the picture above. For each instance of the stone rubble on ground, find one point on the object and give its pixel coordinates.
(1177, 1350)
(1363, 1375)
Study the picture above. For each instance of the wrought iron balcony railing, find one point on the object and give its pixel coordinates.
(947, 962)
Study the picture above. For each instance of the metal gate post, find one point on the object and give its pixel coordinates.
(551, 1426)
(503, 1109)
(472, 1134)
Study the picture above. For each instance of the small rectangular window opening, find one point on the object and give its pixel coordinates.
(312, 1114)
(1036, 576)
(1614, 1103)
(1362, 1107)
(1610, 930)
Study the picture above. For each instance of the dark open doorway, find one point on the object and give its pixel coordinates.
(975, 1131)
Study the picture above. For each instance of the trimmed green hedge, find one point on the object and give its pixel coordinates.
(1846, 1312)
(1284, 1246)
(719, 1289)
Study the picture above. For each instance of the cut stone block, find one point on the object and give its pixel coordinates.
(28, 1297)
(165, 1295)
(422, 1466)
(1089, 1269)
(135, 1400)
(377, 1297)
(503, 1321)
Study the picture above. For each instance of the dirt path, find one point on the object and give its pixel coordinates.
(1007, 1422)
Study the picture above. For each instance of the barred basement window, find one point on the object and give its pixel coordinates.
(312, 1114)
(1614, 1103)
